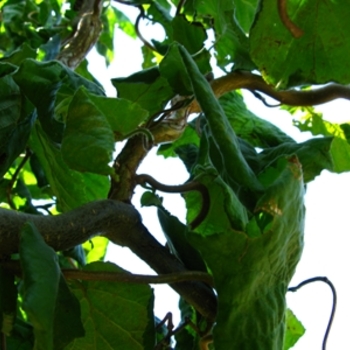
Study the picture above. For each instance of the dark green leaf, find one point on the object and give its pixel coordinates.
(41, 276)
(17, 56)
(41, 82)
(115, 315)
(173, 69)
(88, 140)
(16, 122)
(67, 324)
(191, 35)
(175, 232)
(71, 188)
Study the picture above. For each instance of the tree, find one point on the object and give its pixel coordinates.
(233, 260)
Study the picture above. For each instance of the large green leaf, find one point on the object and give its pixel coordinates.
(115, 315)
(88, 140)
(252, 274)
(41, 275)
(123, 115)
(46, 84)
(141, 88)
(317, 57)
(71, 188)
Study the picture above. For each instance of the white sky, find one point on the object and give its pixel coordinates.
(327, 226)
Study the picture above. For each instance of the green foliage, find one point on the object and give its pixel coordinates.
(322, 59)
(249, 238)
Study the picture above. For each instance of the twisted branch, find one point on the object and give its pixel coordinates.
(119, 222)
(246, 80)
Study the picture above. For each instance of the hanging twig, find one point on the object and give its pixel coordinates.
(15, 176)
(327, 281)
(287, 22)
(138, 33)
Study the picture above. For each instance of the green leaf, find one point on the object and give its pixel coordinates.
(123, 115)
(258, 132)
(115, 315)
(67, 323)
(71, 188)
(174, 70)
(245, 13)
(294, 330)
(88, 140)
(231, 43)
(141, 88)
(191, 35)
(20, 54)
(175, 232)
(95, 249)
(315, 155)
(339, 147)
(41, 276)
(251, 275)
(225, 209)
(317, 57)
(41, 83)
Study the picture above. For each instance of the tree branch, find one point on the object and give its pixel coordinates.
(86, 34)
(246, 80)
(119, 222)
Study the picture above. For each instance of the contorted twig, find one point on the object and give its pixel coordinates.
(189, 186)
(334, 306)
(246, 80)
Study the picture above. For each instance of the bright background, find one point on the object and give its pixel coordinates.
(326, 200)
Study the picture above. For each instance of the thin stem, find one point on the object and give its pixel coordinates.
(15, 176)
(140, 36)
(330, 284)
(189, 186)
(168, 278)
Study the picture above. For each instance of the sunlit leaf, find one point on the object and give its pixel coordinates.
(317, 57)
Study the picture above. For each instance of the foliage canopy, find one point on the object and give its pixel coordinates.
(65, 193)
